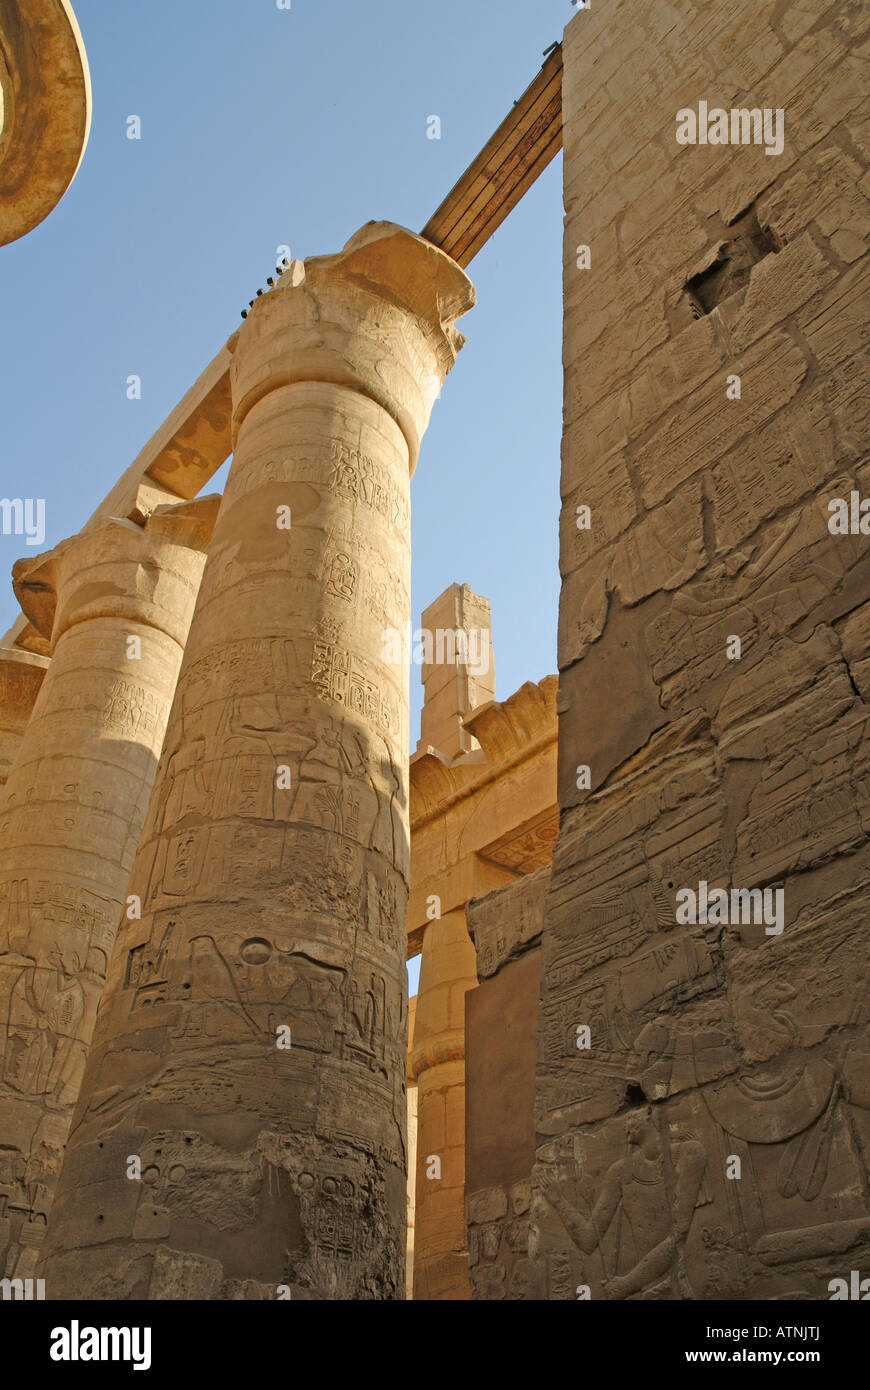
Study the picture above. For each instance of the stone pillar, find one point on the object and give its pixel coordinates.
(21, 675)
(448, 969)
(116, 603)
(460, 675)
(412, 1155)
(251, 1046)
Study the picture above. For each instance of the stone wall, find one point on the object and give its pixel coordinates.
(703, 1085)
(500, 1037)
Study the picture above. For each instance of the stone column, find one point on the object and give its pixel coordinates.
(412, 1155)
(21, 675)
(461, 673)
(251, 1047)
(116, 604)
(448, 969)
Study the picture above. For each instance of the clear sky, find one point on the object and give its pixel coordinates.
(263, 127)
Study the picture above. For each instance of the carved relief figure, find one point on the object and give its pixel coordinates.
(651, 1215)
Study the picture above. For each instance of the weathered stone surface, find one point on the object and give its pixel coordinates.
(21, 675)
(115, 605)
(701, 1107)
(501, 1033)
(461, 677)
(273, 864)
(490, 1204)
(520, 1198)
(488, 1281)
(508, 921)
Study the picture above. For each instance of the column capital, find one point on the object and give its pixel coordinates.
(450, 1047)
(378, 317)
(21, 675)
(122, 569)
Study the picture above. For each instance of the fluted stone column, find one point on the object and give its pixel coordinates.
(116, 604)
(448, 969)
(21, 675)
(251, 1044)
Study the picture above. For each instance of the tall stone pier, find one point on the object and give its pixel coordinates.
(448, 969)
(241, 1127)
(703, 1077)
(116, 604)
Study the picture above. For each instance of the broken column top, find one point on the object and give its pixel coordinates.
(458, 668)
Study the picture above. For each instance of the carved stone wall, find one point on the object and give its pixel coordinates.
(703, 1105)
(501, 1018)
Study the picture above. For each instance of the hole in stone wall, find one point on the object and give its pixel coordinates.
(634, 1094)
(745, 243)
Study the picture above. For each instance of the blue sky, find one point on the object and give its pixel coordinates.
(263, 127)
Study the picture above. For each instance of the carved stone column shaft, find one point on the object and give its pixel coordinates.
(251, 1048)
(117, 604)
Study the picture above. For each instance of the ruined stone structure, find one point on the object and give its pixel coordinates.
(640, 1065)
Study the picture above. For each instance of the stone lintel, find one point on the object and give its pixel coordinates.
(508, 921)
